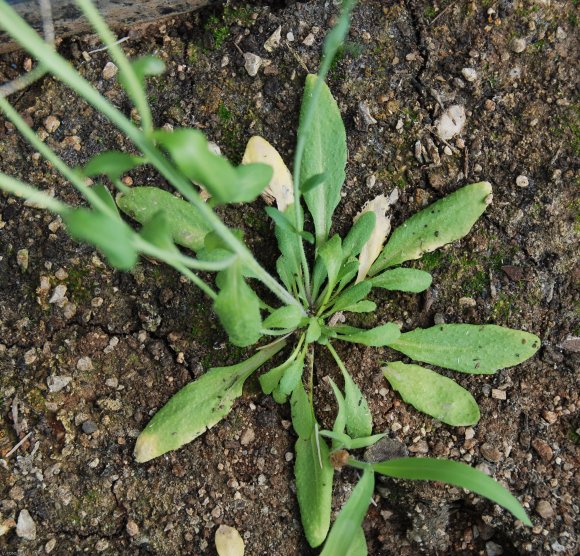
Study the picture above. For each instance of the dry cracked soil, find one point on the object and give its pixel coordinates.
(88, 354)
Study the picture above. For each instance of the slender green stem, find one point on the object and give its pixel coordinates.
(359, 464)
(52, 157)
(195, 279)
(336, 358)
(311, 377)
(16, 27)
(134, 87)
(20, 189)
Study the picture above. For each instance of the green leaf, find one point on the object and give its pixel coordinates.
(285, 270)
(190, 151)
(289, 245)
(158, 232)
(359, 421)
(289, 316)
(444, 221)
(359, 234)
(112, 164)
(365, 306)
(313, 474)
(468, 348)
(352, 295)
(313, 331)
(198, 406)
(187, 226)
(358, 545)
(112, 236)
(433, 394)
(279, 398)
(331, 255)
(302, 417)
(453, 473)
(379, 336)
(340, 419)
(103, 193)
(313, 182)
(292, 375)
(403, 280)
(145, 66)
(342, 440)
(324, 153)
(269, 381)
(347, 526)
(238, 309)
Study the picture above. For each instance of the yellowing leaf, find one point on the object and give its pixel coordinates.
(372, 248)
(280, 186)
(228, 541)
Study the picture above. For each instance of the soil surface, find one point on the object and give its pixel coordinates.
(88, 354)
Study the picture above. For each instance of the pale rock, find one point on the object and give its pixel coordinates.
(252, 63)
(451, 122)
(110, 70)
(56, 383)
(518, 45)
(51, 124)
(469, 74)
(228, 541)
(25, 527)
(85, 364)
(273, 41)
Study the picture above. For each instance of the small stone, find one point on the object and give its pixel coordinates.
(16, 493)
(561, 34)
(30, 356)
(571, 343)
(69, 310)
(96, 302)
(51, 124)
(385, 449)
(447, 150)
(110, 70)
(365, 113)
(309, 40)
(56, 383)
(22, 259)
(61, 274)
(522, 181)
(550, 417)
(518, 45)
(290, 36)
(489, 105)
(89, 427)
(216, 512)
(544, 509)
(248, 436)
(262, 479)
(50, 546)
(469, 74)
(493, 549)
(252, 63)
(469, 433)
(132, 528)
(451, 122)
(112, 382)
(228, 541)
(288, 456)
(25, 527)
(101, 545)
(498, 394)
(85, 364)
(420, 447)
(543, 449)
(490, 453)
(59, 295)
(467, 302)
(273, 41)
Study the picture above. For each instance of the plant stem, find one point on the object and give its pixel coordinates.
(26, 191)
(16, 27)
(134, 88)
(336, 358)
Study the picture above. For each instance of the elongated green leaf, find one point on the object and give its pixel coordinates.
(468, 348)
(110, 235)
(197, 407)
(352, 295)
(313, 331)
(238, 308)
(342, 440)
(331, 255)
(190, 151)
(289, 316)
(403, 280)
(358, 545)
(269, 381)
(285, 270)
(103, 193)
(433, 394)
(348, 523)
(289, 245)
(112, 164)
(313, 182)
(302, 417)
(313, 474)
(359, 421)
(453, 473)
(292, 375)
(383, 335)
(187, 226)
(157, 231)
(359, 234)
(365, 306)
(444, 221)
(340, 419)
(324, 153)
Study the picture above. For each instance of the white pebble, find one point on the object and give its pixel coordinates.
(25, 527)
(84, 364)
(469, 74)
(110, 70)
(518, 45)
(522, 181)
(273, 40)
(451, 122)
(56, 383)
(252, 64)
